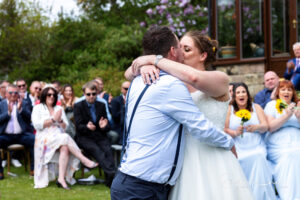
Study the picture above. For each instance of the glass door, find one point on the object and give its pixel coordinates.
(282, 33)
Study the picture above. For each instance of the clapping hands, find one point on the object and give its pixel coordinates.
(57, 115)
(103, 122)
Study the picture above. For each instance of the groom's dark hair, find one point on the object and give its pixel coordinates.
(158, 40)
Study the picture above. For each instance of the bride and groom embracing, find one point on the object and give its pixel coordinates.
(161, 160)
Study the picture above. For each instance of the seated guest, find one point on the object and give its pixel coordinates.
(3, 85)
(57, 86)
(67, 102)
(231, 89)
(55, 151)
(21, 83)
(101, 93)
(250, 145)
(35, 91)
(283, 140)
(91, 127)
(98, 98)
(14, 123)
(118, 110)
(292, 71)
(264, 96)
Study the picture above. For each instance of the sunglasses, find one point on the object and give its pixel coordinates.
(19, 86)
(89, 94)
(13, 93)
(50, 94)
(125, 88)
(37, 88)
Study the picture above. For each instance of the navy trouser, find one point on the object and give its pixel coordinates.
(125, 187)
(26, 139)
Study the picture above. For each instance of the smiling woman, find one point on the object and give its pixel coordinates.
(248, 137)
(283, 140)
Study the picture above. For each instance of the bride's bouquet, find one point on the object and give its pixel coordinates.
(245, 116)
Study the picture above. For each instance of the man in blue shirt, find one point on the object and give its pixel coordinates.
(271, 80)
(152, 142)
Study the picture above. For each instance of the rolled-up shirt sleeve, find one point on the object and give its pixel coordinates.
(180, 106)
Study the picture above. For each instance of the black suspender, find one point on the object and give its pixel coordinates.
(126, 132)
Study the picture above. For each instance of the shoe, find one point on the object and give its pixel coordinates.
(1, 176)
(4, 162)
(94, 165)
(60, 185)
(31, 173)
(16, 163)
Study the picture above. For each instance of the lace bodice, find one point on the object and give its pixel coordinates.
(213, 110)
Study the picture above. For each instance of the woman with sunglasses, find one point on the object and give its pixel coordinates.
(54, 149)
(283, 140)
(67, 102)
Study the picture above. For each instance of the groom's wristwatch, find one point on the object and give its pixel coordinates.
(158, 58)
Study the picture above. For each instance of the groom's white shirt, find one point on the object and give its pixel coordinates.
(152, 140)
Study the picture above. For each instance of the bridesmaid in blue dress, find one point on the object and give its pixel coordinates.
(283, 141)
(250, 145)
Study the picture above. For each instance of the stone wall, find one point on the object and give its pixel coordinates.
(251, 74)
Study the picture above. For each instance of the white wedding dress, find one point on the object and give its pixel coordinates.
(210, 173)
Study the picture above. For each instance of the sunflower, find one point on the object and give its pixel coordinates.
(244, 114)
(280, 105)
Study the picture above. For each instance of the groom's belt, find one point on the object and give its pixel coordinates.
(135, 179)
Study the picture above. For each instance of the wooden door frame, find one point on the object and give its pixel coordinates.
(275, 63)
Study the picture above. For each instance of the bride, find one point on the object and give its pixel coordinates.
(207, 172)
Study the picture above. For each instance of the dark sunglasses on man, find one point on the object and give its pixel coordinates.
(89, 94)
(15, 93)
(20, 86)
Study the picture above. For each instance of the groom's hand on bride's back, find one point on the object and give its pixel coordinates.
(233, 150)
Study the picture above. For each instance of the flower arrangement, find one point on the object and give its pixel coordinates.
(179, 15)
(245, 116)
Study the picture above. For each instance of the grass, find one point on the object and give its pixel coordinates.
(21, 187)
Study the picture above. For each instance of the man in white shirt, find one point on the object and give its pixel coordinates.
(15, 118)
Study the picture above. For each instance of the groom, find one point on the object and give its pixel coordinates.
(154, 149)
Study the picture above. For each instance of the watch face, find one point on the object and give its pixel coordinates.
(159, 56)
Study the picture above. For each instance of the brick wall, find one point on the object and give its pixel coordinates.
(251, 74)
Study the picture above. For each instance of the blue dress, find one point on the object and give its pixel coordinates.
(283, 146)
(251, 150)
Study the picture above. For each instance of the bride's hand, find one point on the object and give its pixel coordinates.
(141, 61)
(148, 73)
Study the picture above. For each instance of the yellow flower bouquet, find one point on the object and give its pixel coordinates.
(281, 104)
(245, 116)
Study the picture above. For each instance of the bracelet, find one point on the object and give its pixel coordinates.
(53, 121)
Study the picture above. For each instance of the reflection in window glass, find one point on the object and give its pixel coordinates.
(226, 26)
(280, 27)
(298, 13)
(252, 28)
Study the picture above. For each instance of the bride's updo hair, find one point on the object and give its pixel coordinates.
(204, 44)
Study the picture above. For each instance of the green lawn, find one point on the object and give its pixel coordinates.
(21, 187)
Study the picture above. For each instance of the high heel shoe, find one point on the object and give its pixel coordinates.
(61, 186)
(94, 165)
